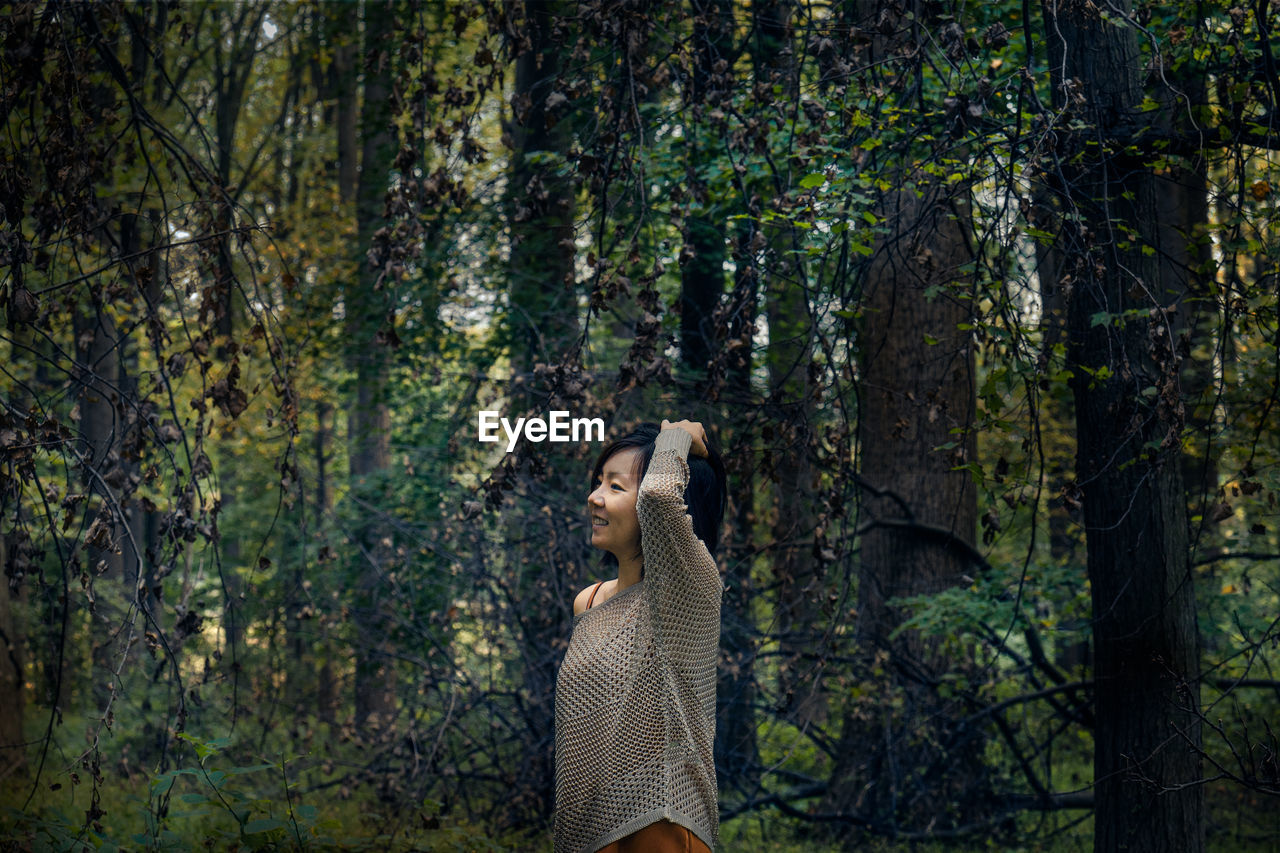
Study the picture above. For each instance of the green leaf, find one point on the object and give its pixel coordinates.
(263, 824)
(235, 771)
(815, 179)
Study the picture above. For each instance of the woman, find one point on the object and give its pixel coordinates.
(635, 697)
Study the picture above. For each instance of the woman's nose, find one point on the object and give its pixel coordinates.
(595, 499)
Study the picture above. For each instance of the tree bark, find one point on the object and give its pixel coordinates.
(542, 326)
(16, 563)
(13, 753)
(233, 51)
(1129, 419)
(543, 311)
(368, 423)
(905, 763)
(142, 580)
(737, 751)
(702, 276)
(702, 289)
(788, 359)
(97, 368)
(912, 768)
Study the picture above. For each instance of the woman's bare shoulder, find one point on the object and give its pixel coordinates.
(582, 599)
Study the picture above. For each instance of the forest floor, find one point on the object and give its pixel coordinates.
(124, 818)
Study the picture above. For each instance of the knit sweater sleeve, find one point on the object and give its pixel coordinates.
(681, 579)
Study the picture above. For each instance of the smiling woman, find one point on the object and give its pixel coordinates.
(635, 697)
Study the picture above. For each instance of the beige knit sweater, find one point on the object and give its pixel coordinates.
(636, 693)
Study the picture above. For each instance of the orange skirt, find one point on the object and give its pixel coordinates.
(661, 837)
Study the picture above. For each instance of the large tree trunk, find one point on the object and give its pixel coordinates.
(1186, 269)
(702, 289)
(906, 765)
(702, 265)
(543, 311)
(788, 359)
(737, 749)
(367, 306)
(542, 322)
(904, 769)
(1129, 420)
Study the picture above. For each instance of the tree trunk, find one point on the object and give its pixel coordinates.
(917, 398)
(1186, 268)
(702, 270)
(1129, 421)
(141, 576)
(337, 85)
(15, 562)
(702, 288)
(232, 70)
(543, 311)
(325, 693)
(788, 359)
(737, 750)
(905, 763)
(97, 368)
(368, 309)
(543, 327)
(13, 753)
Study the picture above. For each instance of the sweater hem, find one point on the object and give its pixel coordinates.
(639, 823)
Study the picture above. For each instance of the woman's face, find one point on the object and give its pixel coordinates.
(612, 505)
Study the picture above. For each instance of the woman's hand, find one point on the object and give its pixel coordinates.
(698, 447)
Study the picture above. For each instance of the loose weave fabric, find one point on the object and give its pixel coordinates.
(636, 693)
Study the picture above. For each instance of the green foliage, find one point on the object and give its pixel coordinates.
(264, 561)
(261, 806)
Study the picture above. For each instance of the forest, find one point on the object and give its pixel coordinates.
(979, 301)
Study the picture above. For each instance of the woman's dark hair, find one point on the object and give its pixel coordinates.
(705, 495)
